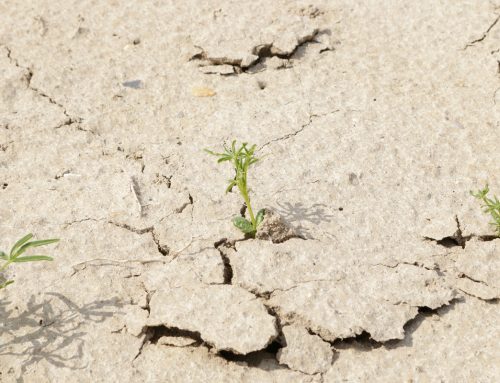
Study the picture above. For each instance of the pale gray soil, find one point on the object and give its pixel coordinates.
(376, 119)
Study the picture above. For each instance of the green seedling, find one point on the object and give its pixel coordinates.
(241, 159)
(18, 249)
(491, 206)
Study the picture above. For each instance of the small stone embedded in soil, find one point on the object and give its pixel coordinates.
(248, 60)
(203, 92)
(134, 84)
(304, 352)
(277, 63)
(227, 317)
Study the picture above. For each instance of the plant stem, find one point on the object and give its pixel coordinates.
(244, 193)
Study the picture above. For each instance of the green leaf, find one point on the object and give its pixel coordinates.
(243, 224)
(33, 258)
(224, 158)
(5, 284)
(26, 246)
(259, 217)
(21, 242)
(3, 256)
(232, 183)
(214, 153)
(241, 157)
(490, 206)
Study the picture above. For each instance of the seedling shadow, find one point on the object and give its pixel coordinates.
(297, 213)
(42, 332)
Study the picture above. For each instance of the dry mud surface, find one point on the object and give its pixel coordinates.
(376, 119)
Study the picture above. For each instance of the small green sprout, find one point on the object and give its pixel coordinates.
(491, 206)
(19, 248)
(241, 160)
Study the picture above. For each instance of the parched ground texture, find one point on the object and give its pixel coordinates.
(375, 118)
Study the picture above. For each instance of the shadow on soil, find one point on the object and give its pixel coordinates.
(49, 330)
(296, 214)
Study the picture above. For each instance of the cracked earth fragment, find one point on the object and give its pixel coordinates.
(206, 367)
(418, 362)
(253, 40)
(478, 268)
(133, 321)
(226, 317)
(204, 267)
(139, 213)
(304, 352)
(337, 299)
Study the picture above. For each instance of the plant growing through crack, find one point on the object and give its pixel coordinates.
(18, 249)
(491, 206)
(241, 159)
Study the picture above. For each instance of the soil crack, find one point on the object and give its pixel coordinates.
(364, 340)
(28, 77)
(312, 116)
(258, 53)
(487, 300)
(70, 223)
(416, 264)
(484, 35)
(162, 249)
(228, 269)
(456, 239)
(463, 275)
(185, 205)
(141, 346)
(159, 332)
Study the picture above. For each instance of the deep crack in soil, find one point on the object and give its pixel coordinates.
(260, 52)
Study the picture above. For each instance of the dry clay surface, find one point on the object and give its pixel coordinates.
(375, 119)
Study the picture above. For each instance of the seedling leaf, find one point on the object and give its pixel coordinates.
(26, 246)
(260, 216)
(232, 183)
(19, 248)
(21, 242)
(6, 283)
(243, 224)
(491, 206)
(33, 258)
(241, 159)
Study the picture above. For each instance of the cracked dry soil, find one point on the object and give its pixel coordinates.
(375, 119)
